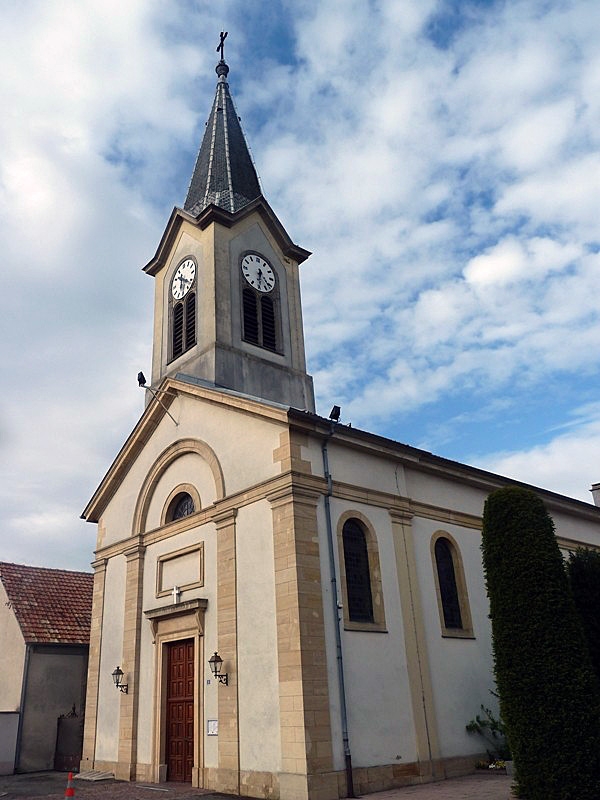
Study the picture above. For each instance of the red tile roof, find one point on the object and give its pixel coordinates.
(51, 605)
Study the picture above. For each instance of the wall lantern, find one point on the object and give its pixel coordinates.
(215, 663)
(117, 677)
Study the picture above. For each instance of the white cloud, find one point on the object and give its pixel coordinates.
(514, 259)
(566, 464)
(537, 137)
(568, 195)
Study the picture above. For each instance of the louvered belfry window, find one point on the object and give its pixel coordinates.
(178, 330)
(251, 325)
(260, 319)
(190, 320)
(267, 312)
(184, 325)
(358, 576)
(444, 562)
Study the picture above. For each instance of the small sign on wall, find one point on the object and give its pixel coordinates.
(212, 727)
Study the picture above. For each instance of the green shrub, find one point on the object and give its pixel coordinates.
(549, 699)
(492, 731)
(583, 569)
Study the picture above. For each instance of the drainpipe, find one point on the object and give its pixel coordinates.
(336, 616)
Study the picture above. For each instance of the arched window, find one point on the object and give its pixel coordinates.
(453, 601)
(447, 580)
(360, 574)
(182, 505)
(358, 577)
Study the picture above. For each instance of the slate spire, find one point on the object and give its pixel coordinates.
(224, 174)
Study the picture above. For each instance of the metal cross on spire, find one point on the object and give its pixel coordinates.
(221, 46)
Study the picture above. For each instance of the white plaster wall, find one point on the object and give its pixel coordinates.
(107, 743)
(577, 529)
(116, 521)
(244, 442)
(380, 718)
(444, 493)
(12, 656)
(461, 669)
(260, 743)
(360, 469)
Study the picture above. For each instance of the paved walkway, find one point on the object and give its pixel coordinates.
(480, 786)
(52, 785)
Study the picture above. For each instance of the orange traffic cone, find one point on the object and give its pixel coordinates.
(70, 791)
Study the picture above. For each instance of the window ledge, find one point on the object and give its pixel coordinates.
(448, 633)
(373, 627)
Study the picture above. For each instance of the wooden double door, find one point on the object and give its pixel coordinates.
(180, 710)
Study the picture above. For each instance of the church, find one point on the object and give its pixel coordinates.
(284, 606)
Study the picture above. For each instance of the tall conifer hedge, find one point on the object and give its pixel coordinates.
(549, 697)
(583, 569)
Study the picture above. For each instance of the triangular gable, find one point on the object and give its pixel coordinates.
(157, 409)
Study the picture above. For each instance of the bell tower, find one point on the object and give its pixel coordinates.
(227, 305)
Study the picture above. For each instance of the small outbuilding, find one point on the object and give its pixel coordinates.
(45, 633)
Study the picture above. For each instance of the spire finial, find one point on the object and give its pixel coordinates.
(224, 175)
(222, 69)
(221, 46)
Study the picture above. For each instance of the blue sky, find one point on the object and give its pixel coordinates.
(440, 159)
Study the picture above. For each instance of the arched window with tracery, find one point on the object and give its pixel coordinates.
(182, 505)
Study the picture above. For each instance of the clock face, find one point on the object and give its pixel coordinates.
(258, 273)
(183, 278)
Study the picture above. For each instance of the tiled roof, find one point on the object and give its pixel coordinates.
(224, 174)
(51, 605)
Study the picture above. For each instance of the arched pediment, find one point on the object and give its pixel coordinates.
(163, 462)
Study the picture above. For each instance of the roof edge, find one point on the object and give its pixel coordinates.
(429, 462)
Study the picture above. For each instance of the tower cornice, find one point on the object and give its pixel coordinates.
(214, 214)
